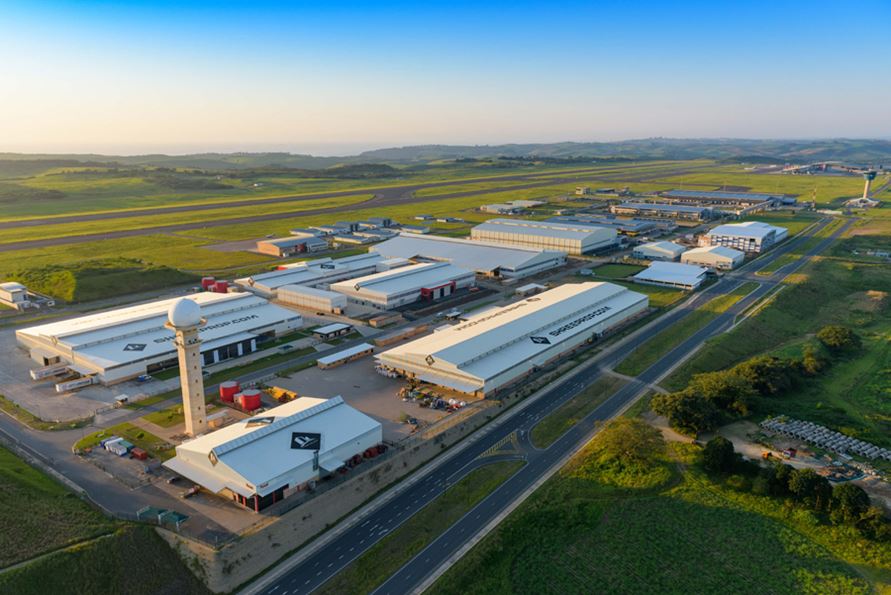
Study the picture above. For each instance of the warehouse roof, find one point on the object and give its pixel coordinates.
(469, 254)
(720, 195)
(310, 271)
(748, 229)
(304, 290)
(350, 352)
(669, 247)
(331, 328)
(257, 450)
(125, 335)
(554, 229)
(722, 251)
(662, 207)
(498, 339)
(12, 286)
(289, 242)
(673, 273)
(425, 274)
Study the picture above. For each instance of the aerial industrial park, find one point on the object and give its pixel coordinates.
(235, 361)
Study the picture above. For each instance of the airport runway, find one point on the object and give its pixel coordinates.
(317, 568)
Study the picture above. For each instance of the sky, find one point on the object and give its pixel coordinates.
(333, 78)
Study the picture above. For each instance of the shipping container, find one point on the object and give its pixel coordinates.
(207, 283)
(221, 287)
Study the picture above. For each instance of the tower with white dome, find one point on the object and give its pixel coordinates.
(184, 319)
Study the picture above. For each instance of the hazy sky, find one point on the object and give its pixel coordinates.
(334, 77)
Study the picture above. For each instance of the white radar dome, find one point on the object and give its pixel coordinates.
(184, 313)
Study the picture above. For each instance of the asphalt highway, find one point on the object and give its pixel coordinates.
(317, 568)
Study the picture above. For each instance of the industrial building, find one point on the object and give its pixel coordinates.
(672, 274)
(405, 285)
(14, 295)
(662, 211)
(124, 343)
(628, 227)
(318, 272)
(750, 236)
(737, 202)
(485, 258)
(312, 298)
(266, 458)
(501, 209)
(283, 247)
(501, 345)
(550, 235)
(720, 258)
(658, 251)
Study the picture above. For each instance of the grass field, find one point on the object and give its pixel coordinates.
(135, 560)
(663, 527)
(386, 557)
(660, 297)
(47, 516)
(854, 394)
(649, 352)
(567, 415)
(828, 188)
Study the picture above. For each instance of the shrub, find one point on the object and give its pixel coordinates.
(838, 338)
(718, 455)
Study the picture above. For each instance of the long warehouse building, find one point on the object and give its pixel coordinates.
(499, 346)
(484, 258)
(263, 459)
(124, 343)
(405, 285)
(550, 235)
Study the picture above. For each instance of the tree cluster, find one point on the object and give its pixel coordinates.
(845, 504)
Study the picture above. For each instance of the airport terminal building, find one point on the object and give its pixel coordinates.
(484, 258)
(500, 345)
(124, 343)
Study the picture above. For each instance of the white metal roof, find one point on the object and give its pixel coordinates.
(673, 272)
(662, 247)
(544, 228)
(530, 287)
(468, 254)
(721, 251)
(125, 335)
(311, 291)
(252, 452)
(336, 357)
(747, 229)
(310, 271)
(332, 328)
(416, 276)
(12, 286)
(496, 340)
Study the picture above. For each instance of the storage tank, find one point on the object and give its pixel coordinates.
(250, 399)
(221, 287)
(207, 283)
(228, 390)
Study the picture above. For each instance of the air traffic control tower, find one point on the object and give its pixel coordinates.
(868, 177)
(184, 319)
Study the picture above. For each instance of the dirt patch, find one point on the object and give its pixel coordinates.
(661, 423)
(871, 301)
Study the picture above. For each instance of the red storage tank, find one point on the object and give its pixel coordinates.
(221, 286)
(228, 390)
(207, 283)
(250, 399)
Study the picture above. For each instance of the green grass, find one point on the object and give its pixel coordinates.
(40, 515)
(135, 560)
(660, 297)
(376, 565)
(654, 348)
(616, 271)
(556, 423)
(828, 188)
(662, 528)
(854, 393)
(155, 446)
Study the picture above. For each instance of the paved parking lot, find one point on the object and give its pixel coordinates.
(366, 390)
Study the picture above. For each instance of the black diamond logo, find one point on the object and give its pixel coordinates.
(541, 340)
(134, 347)
(429, 359)
(306, 440)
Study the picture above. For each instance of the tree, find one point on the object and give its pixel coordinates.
(687, 413)
(726, 390)
(766, 374)
(811, 362)
(630, 441)
(838, 338)
(873, 524)
(849, 502)
(718, 455)
(810, 488)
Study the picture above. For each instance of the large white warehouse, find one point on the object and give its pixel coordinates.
(500, 345)
(312, 273)
(750, 236)
(658, 251)
(266, 458)
(120, 344)
(720, 258)
(312, 298)
(485, 258)
(550, 235)
(405, 285)
(672, 274)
